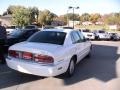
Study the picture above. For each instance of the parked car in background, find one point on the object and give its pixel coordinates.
(101, 35)
(114, 36)
(19, 36)
(48, 27)
(49, 52)
(9, 29)
(31, 27)
(87, 33)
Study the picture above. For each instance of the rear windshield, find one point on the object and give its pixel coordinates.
(101, 31)
(51, 37)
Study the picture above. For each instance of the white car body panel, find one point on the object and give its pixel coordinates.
(9, 30)
(104, 35)
(62, 55)
(88, 35)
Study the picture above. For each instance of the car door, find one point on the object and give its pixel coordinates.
(86, 45)
(78, 44)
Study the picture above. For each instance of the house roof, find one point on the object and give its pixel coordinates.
(6, 17)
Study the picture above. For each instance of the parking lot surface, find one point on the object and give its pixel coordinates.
(100, 72)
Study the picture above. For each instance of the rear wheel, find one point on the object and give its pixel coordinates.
(99, 38)
(89, 54)
(71, 68)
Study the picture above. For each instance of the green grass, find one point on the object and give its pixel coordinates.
(95, 27)
(98, 27)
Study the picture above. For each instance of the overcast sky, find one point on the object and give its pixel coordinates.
(60, 7)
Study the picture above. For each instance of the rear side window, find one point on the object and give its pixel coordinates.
(29, 33)
(51, 37)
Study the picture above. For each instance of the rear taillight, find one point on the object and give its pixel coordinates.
(31, 56)
(43, 58)
(13, 53)
(27, 55)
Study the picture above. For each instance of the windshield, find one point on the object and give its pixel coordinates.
(17, 33)
(114, 33)
(51, 37)
(11, 27)
(86, 30)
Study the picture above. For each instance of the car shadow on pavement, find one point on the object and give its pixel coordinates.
(12, 78)
(101, 66)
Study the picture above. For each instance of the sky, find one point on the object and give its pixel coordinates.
(60, 7)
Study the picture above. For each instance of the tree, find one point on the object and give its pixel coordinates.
(113, 18)
(34, 12)
(62, 18)
(10, 9)
(94, 17)
(46, 17)
(85, 17)
(20, 16)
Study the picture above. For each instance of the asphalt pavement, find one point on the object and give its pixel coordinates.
(100, 72)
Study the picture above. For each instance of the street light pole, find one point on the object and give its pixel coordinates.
(70, 7)
(73, 17)
(67, 19)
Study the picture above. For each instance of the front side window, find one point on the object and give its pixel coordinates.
(75, 37)
(81, 36)
(52, 37)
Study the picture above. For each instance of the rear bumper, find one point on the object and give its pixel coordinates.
(37, 69)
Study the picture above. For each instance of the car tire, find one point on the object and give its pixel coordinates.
(71, 68)
(99, 38)
(89, 54)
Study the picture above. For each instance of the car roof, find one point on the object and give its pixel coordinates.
(59, 30)
(27, 29)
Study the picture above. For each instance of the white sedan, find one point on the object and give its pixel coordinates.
(49, 52)
(87, 34)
